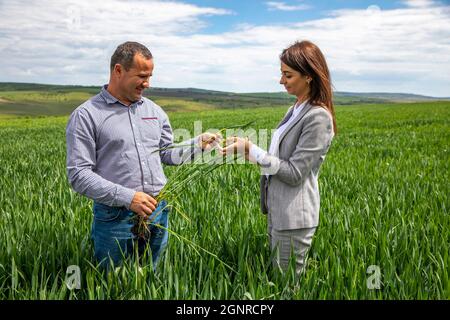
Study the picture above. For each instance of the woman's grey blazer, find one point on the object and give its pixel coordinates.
(290, 192)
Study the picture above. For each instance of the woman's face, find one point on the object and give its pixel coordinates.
(294, 82)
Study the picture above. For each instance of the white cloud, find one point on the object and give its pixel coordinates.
(373, 9)
(276, 5)
(400, 50)
(419, 3)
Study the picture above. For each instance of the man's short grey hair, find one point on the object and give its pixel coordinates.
(125, 53)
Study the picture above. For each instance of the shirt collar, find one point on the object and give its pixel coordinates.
(110, 99)
(299, 107)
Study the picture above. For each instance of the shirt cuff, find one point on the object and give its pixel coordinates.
(257, 153)
(196, 143)
(124, 197)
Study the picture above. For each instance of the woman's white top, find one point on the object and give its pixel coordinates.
(258, 154)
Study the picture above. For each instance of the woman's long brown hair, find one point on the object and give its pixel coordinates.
(306, 58)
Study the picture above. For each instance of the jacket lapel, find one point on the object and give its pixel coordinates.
(287, 116)
(305, 109)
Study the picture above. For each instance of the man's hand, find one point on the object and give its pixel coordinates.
(143, 204)
(208, 140)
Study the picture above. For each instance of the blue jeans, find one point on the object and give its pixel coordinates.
(113, 237)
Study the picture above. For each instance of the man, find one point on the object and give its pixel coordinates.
(111, 158)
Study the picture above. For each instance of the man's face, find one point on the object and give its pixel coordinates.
(133, 82)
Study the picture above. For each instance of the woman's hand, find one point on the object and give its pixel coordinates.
(236, 145)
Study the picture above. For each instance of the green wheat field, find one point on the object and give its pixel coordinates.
(384, 202)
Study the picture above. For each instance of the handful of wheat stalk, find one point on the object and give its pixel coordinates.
(184, 176)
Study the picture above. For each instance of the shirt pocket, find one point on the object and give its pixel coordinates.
(150, 129)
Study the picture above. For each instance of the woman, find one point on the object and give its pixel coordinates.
(289, 186)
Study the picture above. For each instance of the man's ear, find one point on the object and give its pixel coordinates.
(118, 69)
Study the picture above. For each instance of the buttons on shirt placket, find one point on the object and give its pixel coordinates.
(138, 143)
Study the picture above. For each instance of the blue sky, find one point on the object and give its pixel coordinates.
(370, 46)
(257, 12)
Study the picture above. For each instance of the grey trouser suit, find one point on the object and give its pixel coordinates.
(289, 182)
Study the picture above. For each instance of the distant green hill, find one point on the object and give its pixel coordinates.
(341, 97)
(30, 99)
(392, 97)
(338, 99)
